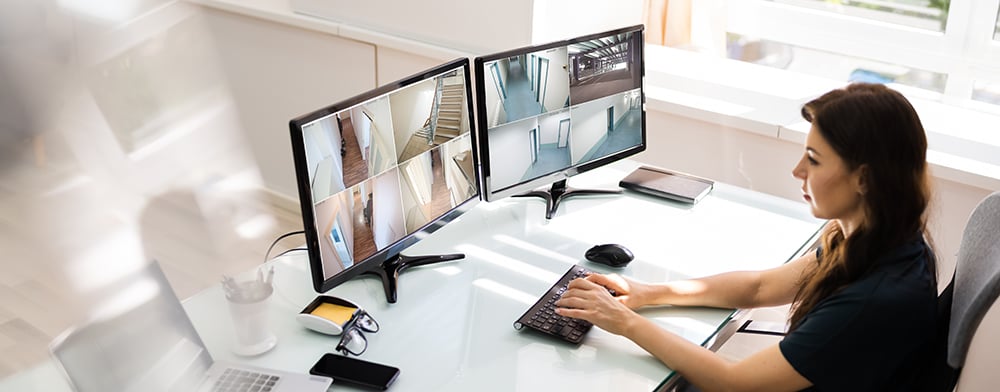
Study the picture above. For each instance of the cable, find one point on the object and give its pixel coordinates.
(268, 253)
(289, 251)
(267, 257)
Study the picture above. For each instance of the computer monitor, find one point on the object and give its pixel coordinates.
(548, 112)
(378, 171)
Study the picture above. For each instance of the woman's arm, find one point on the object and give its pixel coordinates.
(767, 370)
(740, 289)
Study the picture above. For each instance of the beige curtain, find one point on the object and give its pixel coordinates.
(668, 22)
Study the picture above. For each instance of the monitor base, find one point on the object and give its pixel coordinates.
(560, 191)
(390, 269)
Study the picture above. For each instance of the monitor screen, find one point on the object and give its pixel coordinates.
(548, 112)
(376, 170)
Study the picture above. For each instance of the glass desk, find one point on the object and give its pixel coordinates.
(452, 329)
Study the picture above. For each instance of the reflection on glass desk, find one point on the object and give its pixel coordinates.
(452, 329)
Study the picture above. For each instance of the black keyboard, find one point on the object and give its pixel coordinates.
(543, 318)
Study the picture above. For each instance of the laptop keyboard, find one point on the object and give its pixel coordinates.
(236, 380)
(542, 317)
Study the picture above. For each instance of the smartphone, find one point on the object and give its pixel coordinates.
(348, 370)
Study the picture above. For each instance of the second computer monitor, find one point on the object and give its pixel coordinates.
(548, 112)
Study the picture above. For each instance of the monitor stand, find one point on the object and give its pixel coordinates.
(560, 191)
(390, 269)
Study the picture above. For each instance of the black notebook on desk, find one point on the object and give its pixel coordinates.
(667, 184)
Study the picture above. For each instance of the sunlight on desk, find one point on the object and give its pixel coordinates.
(448, 270)
(541, 251)
(508, 263)
(506, 291)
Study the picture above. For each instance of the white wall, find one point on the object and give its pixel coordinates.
(561, 19)
(395, 64)
(485, 27)
(278, 72)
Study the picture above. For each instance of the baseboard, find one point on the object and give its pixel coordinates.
(281, 201)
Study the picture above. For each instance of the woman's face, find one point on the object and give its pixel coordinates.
(832, 191)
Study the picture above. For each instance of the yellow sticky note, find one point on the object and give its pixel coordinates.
(337, 313)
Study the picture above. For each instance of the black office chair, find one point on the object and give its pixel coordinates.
(970, 294)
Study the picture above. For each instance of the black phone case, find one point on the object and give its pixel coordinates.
(353, 378)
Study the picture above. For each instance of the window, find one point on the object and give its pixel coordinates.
(922, 14)
(986, 91)
(830, 65)
(946, 47)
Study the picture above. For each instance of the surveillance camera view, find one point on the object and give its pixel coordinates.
(384, 168)
(549, 110)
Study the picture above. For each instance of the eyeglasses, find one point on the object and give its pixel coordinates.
(353, 340)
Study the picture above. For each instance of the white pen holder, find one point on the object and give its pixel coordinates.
(248, 302)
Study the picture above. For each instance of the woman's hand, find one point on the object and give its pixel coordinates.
(630, 293)
(587, 300)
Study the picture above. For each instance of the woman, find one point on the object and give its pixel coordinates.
(862, 305)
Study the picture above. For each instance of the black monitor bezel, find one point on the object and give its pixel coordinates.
(306, 203)
(486, 190)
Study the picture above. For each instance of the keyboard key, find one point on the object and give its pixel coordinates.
(233, 380)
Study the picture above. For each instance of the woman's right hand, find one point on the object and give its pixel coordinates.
(631, 293)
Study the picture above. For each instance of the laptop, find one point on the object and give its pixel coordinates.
(142, 340)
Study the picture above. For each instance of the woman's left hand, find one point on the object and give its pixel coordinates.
(590, 301)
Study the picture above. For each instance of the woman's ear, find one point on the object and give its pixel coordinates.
(861, 179)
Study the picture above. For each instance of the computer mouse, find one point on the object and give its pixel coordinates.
(610, 254)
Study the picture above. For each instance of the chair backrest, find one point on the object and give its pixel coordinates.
(977, 277)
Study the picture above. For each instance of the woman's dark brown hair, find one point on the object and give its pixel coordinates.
(876, 130)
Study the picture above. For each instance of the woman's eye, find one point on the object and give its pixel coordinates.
(812, 161)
